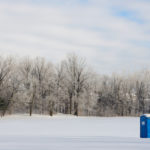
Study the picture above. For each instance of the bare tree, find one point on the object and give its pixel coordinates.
(36, 86)
(6, 65)
(29, 84)
(76, 77)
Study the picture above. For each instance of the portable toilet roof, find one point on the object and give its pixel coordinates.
(145, 126)
(147, 115)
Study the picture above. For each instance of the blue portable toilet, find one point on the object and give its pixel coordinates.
(145, 126)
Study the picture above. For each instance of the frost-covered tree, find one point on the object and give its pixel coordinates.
(37, 86)
(76, 80)
(6, 67)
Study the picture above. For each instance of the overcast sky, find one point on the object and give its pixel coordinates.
(113, 35)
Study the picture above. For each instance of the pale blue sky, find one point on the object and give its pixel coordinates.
(113, 35)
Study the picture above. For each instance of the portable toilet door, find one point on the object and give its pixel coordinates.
(143, 126)
(148, 126)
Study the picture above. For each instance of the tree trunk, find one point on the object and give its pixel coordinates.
(70, 105)
(7, 105)
(51, 108)
(31, 104)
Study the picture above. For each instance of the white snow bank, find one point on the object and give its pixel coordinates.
(69, 133)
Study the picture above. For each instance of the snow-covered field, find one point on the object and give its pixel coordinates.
(70, 133)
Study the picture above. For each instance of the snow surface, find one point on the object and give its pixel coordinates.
(70, 133)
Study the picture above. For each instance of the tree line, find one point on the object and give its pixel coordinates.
(70, 87)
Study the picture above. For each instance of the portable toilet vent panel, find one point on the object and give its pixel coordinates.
(145, 126)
